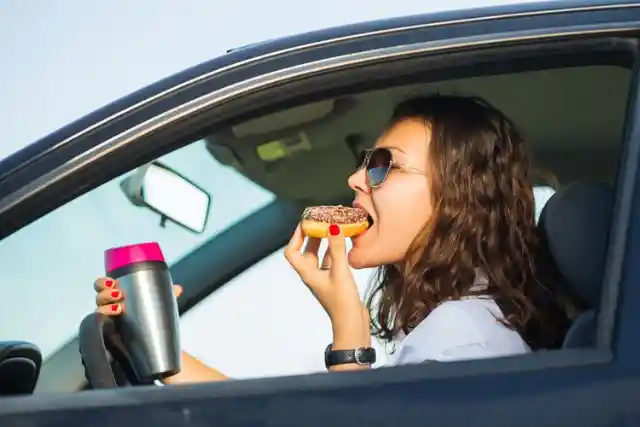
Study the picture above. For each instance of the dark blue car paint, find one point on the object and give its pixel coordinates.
(572, 387)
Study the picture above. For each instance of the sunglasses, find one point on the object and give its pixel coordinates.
(378, 162)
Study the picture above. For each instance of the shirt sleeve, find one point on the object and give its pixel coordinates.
(449, 333)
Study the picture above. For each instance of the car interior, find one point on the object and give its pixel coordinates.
(572, 116)
(560, 111)
(573, 123)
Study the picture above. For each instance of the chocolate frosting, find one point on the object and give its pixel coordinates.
(335, 214)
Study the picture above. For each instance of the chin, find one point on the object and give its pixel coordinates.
(360, 258)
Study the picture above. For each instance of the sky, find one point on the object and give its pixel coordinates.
(65, 58)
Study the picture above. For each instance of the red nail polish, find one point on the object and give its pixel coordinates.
(114, 307)
(108, 283)
(334, 230)
(115, 294)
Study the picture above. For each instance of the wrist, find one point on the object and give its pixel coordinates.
(350, 337)
(349, 358)
(347, 313)
(352, 327)
(349, 331)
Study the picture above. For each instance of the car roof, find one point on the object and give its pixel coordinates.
(439, 18)
(256, 51)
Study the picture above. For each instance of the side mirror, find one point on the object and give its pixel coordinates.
(162, 190)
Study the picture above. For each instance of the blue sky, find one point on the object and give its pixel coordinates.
(64, 58)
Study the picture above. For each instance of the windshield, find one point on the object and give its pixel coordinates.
(47, 269)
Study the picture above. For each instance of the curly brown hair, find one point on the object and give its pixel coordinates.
(483, 219)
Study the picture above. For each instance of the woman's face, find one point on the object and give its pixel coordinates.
(402, 205)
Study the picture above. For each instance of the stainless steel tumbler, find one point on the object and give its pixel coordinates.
(149, 326)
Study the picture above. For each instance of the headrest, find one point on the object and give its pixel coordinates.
(576, 222)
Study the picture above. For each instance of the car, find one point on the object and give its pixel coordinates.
(245, 142)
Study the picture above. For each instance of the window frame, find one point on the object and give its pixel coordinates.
(139, 137)
(618, 315)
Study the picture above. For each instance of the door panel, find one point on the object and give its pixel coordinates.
(620, 304)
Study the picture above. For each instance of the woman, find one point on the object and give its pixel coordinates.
(448, 189)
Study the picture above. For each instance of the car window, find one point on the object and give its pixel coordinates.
(48, 267)
(255, 310)
(541, 196)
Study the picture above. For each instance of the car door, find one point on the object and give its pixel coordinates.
(582, 386)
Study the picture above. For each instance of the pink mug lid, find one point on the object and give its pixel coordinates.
(123, 256)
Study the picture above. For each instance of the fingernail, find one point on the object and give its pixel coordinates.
(115, 294)
(115, 307)
(108, 283)
(334, 230)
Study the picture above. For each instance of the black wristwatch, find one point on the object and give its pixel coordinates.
(360, 356)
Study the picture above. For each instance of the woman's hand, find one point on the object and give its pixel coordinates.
(333, 286)
(110, 300)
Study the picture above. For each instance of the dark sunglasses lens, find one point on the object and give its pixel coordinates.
(378, 167)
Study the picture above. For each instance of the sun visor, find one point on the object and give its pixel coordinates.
(269, 148)
(286, 119)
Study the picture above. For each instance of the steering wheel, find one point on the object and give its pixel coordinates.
(106, 361)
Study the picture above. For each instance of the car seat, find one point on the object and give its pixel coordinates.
(576, 222)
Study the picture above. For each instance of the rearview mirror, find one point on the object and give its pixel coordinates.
(162, 190)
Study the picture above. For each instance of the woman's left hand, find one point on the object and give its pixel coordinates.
(334, 286)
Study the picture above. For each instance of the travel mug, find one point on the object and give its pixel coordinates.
(149, 326)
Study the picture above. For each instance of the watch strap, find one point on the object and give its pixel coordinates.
(359, 356)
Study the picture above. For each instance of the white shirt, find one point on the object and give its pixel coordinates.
(457, 330)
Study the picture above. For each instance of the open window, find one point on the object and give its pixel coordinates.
(575, 128)
(263, 155)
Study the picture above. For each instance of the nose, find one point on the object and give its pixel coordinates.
(358, 181)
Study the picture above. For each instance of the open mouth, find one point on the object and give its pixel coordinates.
(370, 221)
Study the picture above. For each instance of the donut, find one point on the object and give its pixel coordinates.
(317, 219)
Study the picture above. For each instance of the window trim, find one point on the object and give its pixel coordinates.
(626, 187)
